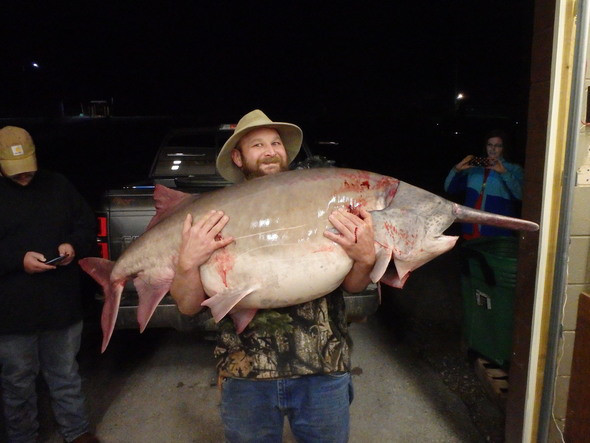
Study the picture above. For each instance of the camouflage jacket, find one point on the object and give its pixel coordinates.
(310, 338)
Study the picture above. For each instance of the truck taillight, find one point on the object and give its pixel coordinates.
(102, 226)
(103, 249)
(102, 237)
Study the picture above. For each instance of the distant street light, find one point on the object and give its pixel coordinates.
(458, 98)
(31, 70)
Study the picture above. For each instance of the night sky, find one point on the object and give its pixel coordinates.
(378, 74)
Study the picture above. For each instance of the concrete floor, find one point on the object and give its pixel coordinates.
(159, 387)
(412, 380)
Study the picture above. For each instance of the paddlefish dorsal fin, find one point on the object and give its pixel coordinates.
(166, 200)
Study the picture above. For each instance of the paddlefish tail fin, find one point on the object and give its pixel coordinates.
(100, 270)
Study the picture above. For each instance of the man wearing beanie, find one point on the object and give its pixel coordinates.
(42, 217)
(292, 361)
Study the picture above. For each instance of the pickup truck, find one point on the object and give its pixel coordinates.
(125, 213)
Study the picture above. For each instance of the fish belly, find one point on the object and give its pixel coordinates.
(278, 278)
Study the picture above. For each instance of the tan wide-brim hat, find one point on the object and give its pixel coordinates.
(291, 135)
(17, 151)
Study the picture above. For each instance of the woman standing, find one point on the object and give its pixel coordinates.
(490, 183)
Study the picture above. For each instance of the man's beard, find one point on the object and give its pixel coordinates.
(256, 171)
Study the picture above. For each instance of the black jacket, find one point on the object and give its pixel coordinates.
(39, 217)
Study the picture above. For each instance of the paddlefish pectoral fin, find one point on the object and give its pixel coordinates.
(223, 302)
(384, 273)
(383, 257)
(391, 278)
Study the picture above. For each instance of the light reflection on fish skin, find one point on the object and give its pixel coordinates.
(334, 203)
(272, 238)
(260, 223)
(269, 232)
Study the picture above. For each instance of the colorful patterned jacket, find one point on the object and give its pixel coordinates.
(501, 193)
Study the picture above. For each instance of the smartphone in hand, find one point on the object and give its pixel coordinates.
(480, 161)
(55, 260)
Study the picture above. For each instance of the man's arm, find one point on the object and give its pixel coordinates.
(357, 239)
(199, 242)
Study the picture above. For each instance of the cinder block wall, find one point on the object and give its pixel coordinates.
(578, 271)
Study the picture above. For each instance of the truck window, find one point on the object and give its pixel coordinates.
(185, 161)
(189, 154)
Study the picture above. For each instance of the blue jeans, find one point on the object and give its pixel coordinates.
(54, 353)
(317, 407)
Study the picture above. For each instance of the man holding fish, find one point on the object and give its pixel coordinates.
(292, 361)
(270, 262)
